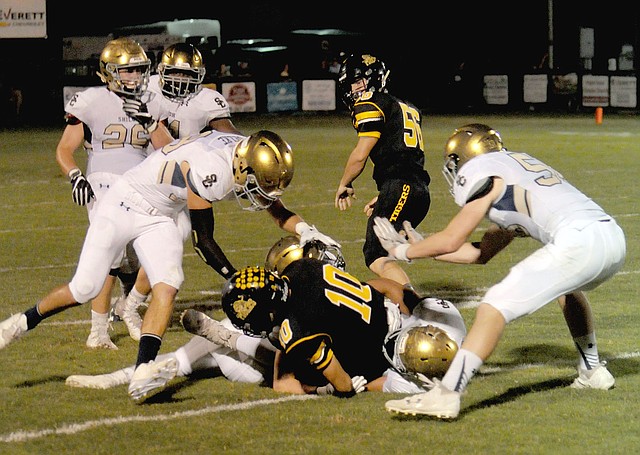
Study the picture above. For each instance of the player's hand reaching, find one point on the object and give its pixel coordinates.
(138, 111)
(395, 243)
(81, 191)
(343, 197)
(413, 235)
(309, 233)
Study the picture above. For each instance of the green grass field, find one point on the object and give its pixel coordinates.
(520, 403)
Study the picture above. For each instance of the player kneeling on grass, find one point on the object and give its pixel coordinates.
(522, 196)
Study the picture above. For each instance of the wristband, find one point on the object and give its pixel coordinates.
(154, 126)
(73, 173)
(400, 252)
(340, 394)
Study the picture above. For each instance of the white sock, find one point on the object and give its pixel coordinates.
(248, 345)
(136, 296)
(464, 365)
(99, 319)
(588, 351)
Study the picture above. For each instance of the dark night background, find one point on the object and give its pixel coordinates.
(424, 43)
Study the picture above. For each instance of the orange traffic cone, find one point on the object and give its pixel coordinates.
(599, 115)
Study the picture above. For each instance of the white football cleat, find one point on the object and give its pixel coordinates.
(127, 310)
(99, 381)
(151, 378)
(198, 323)
(438, 402)
(595, 378)
(12, 328)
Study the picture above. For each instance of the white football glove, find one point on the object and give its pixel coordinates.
(359, 384)
(413, 235)
(391, 240)
(309, 233)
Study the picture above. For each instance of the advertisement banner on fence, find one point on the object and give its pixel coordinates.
(623, 91)
(595, 90)
(496, 89)
(282, 96)
(319, 95)
(535, 88)
(241, 96)
(23, 19)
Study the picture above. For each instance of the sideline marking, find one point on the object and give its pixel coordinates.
(73, 428)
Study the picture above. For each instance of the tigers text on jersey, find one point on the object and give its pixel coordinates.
(115, 142)
(160, 181)
(191, 117)
(536, 200)
(399, 152)
(329, 312)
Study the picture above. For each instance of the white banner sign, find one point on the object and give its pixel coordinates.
(595, 90)
(23, 18)
(535, 88)
(623, 91)
(496, 89)
(241, 96)
(319, 95)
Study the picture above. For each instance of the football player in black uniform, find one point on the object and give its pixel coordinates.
(331, 325)
(389, 133)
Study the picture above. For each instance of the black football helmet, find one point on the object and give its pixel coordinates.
(367, 67)
(252, 297)
(465, 143)
(288, 250)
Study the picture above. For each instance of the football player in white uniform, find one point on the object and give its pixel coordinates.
(582, 247)
(114, 141)
(191, 109)
(141, 208)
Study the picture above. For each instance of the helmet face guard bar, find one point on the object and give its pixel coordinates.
(251, 197)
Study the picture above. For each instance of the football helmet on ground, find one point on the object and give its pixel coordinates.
(262, 169)
(125, 67)
(465, 143)
(368, 68)
(181, 71)
(288, 250)
(251, 299)
(426, 350)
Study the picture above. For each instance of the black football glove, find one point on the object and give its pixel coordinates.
(138, 111)
(81, 188)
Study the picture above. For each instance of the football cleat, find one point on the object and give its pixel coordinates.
(151, 378)
(100, 340)
(595, 378)
(438, 402)
(12, 328)
(127, 310)
(99, 381)
(200, 324)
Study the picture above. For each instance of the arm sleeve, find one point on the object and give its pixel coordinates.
(202, 224)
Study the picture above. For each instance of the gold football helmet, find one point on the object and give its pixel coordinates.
(181, 71)
(288, 250)
(465, 143)
(427, 350)
(120, 60)
(262, 169)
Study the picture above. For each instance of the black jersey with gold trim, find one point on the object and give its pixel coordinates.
(331, 313)
(399, 152)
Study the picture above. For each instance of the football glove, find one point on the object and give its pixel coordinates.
(359, 385)
(413, 235)
(392, 241)
(81, 191)
(138, 111)
(309, 233)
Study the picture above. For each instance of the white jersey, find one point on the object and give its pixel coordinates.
(536, 201)
(191, 117)
(116, 142)
(159, 180)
